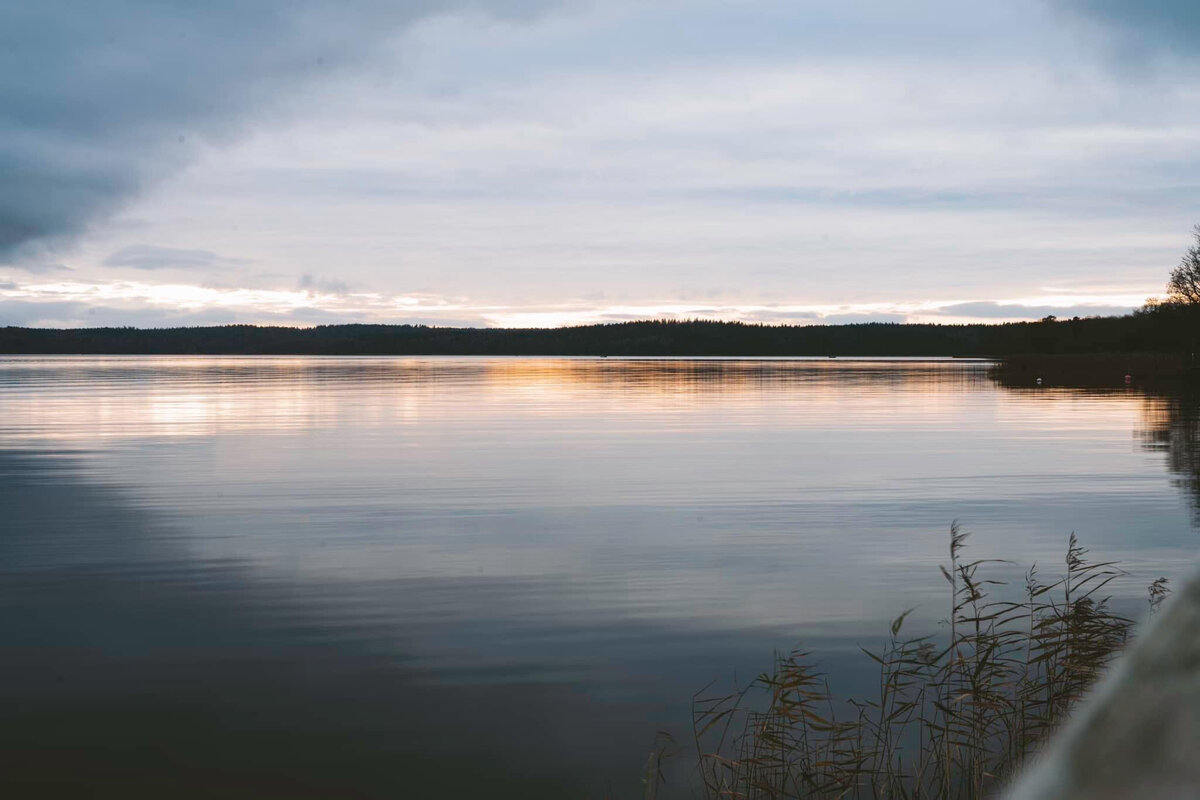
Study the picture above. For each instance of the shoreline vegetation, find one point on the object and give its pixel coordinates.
(1168, 332)
(954, 716)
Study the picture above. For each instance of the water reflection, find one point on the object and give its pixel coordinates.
(137, 397)
(1169, 423)
(385, 577)
(1172, 426)
(130, 672)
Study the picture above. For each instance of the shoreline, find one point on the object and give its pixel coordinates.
(1095, 370)
(1163, 331)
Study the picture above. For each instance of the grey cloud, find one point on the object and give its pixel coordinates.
(311, 315)
(323, 285)
(615, 317)
(25, 313)
(860, 319)
(150, 257)
(813, 318)
(788, 317)
(75, 314)
(1169, 21)
(443, 322)
(768, 316)
(102, 100)
(1140, 31)
(38, 267)
(28, 313)
(318, 316)
(22, 313)
(991, 310)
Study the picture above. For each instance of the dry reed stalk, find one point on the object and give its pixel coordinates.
(952, 719)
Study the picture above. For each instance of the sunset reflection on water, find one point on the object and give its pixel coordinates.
(100, 398)
(586, 540)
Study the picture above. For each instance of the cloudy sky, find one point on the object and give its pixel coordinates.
(544, 162)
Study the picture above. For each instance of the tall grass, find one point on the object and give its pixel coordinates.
(952, 716)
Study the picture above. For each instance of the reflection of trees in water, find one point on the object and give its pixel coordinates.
(1172, 425)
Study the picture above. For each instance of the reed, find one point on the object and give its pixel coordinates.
(953, 716)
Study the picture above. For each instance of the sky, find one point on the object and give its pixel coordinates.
(552, 162)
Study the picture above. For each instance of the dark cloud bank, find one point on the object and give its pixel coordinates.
(1146, 25)
(102, 100)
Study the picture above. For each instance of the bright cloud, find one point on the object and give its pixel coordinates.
(72, 304)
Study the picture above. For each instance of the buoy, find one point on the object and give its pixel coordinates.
(1039, 381)
(1128, 379)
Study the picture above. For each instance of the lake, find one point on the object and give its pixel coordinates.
(391, 577)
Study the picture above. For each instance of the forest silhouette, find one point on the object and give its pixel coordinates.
(1165, 328)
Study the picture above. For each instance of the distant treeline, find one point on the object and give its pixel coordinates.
(1166, 329)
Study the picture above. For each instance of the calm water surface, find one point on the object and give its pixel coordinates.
(499, 577)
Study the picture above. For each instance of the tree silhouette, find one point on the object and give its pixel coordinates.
(1184, 284)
